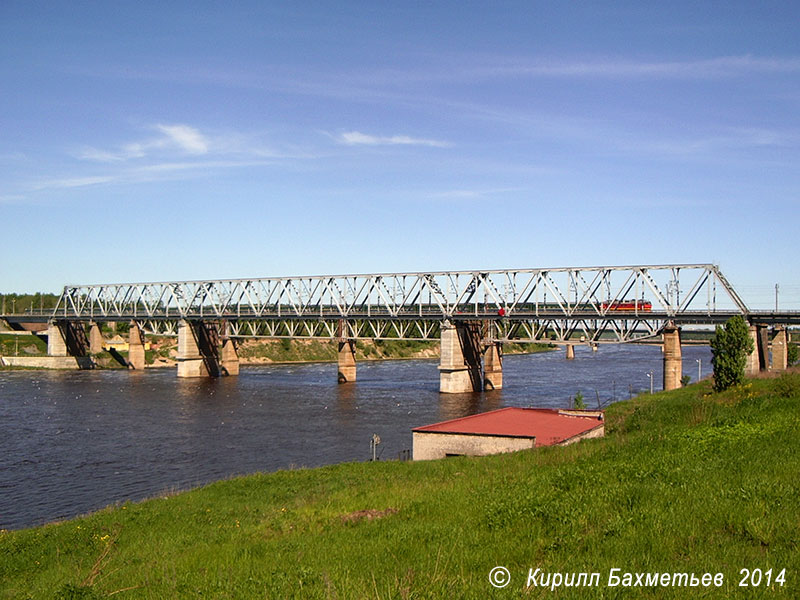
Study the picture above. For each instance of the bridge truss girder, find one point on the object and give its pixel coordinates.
(671, 290)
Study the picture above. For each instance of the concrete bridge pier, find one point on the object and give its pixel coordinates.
(753, 364)
(190, 361)
(68, 346)
(347, 361)
(460, 359)
(56, 340)
(780, 349)
(136, 347)
(229, 359)
(673, 365)
(570, 352)
(493, 367)
(763, 347)
(95, 338)
(203, 352)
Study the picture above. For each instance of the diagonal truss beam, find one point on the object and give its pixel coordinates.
(625, 303)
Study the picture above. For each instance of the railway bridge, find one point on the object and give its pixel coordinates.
(471, 313)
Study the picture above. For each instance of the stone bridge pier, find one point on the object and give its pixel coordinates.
(205, 350)
(68, 346)
(346, 359)
(673, 363)
(95, 338)
(780, 349)
(466, 362)
(136, 359)
(768, 355)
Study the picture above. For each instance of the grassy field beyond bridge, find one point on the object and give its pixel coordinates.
(685, 482)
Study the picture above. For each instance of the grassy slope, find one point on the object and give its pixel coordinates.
(685, 481)
(24, 345)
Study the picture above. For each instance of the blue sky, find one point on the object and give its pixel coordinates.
(159, 141)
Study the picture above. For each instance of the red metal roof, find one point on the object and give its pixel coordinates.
(548, 426)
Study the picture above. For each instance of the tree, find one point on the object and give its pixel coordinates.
(730, 347)
(791, 354)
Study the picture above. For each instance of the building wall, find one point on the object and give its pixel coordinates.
(597, 432)
(431, 445)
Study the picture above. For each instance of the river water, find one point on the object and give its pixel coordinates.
(75, 441)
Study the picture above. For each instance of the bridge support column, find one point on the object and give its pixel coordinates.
(570, 351)
(347, 361)
(136, 347)
(56, 340)
(752, 366)
(673, 364)
(67, 341)
(763, 348)
(493, 367)
(229, 360)
(95, 338)
(779, 349)
(190, 361)
(460, 359)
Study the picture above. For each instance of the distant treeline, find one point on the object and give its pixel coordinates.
(22, 303)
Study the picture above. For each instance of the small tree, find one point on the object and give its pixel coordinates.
(730, 347)
(791, 354)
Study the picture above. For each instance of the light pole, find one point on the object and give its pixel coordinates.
(650, 377)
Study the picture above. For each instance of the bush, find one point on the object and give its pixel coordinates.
(730, 347)
(787, 386)
(791, 354)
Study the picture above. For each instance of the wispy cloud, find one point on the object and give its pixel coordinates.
(723, 66)
(179, 138)
(472, 194)
(186, 138)
(11, 198)
(72, 182)
(170, 151)
(146, 173)
(356, 138)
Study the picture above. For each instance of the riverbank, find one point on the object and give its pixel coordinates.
(163, 351)
(685, 482)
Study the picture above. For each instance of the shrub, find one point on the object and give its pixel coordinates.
(730, 348)
(792, 354)
(787, 386)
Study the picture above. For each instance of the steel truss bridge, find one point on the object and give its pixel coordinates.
(592, 304)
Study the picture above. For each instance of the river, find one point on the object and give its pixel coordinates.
(75, 441)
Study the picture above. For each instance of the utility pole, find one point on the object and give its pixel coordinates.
(776, 297)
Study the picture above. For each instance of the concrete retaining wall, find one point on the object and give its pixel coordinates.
(41, 362)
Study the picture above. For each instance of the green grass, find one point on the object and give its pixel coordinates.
(685, 481)
(23, 345)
